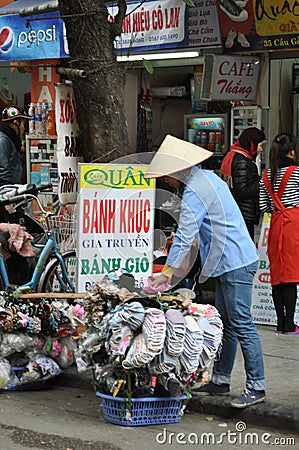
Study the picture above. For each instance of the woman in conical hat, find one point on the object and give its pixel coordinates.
(210, 214)
(175, 155)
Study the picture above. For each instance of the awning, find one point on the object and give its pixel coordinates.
(42, 37)
(25, 7)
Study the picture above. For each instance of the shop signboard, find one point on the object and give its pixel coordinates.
(263, 311)
(230, 77)
(171, 24)
(259, 25)
(25, 39)
(68, 144)
(203, 25)
(116, 220)
(43, 79)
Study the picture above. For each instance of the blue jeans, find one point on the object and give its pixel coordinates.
(233, 301)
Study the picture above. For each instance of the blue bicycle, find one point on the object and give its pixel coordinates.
(54, 271)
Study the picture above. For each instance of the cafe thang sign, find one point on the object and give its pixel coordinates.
(116, 222)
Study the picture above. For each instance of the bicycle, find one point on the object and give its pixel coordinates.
(54, 271)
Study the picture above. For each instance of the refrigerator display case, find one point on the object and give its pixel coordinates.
(209, 131)
(243, 117)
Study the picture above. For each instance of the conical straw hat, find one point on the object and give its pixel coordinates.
(174, 155)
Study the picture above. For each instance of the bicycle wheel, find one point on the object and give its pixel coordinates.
(53, 279)
(2, 284)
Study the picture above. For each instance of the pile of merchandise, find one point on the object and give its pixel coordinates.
(142, 346)
(36, 340)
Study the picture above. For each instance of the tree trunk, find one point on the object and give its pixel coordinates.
(99, 96)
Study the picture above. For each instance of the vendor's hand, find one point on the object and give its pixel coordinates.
(159, 280)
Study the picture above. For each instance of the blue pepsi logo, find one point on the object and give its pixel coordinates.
(6, 39)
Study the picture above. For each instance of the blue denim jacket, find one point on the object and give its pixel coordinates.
(210, 214)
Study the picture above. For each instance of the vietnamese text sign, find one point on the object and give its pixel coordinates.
(152, 25)
(68, 144)
(260, 25)
(232, 77)
(43, 79)
(203, 26)
(263, 310)
(116, 220)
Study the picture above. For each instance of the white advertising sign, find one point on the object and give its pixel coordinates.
(116, 217)
(263, 310)
(203, 25)
(151, 24)
(155, 25)
(231, 77)
(68, 147)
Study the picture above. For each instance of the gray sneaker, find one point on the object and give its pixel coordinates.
(233, 10)
(248, 398)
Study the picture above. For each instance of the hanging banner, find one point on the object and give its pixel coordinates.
(155, 25)
(25, 39)
(68, 144)
(263, 310)
(116, 217)
(258, 25)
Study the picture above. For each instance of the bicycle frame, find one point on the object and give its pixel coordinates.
(49, 250)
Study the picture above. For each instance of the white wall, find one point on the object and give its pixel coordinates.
(281, 96)
(131, 95)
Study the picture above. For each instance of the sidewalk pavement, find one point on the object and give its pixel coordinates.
(281, 408)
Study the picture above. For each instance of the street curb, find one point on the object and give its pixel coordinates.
(265, 414)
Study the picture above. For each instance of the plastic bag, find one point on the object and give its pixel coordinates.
(4, 373)
(66, 356)
(16, 342)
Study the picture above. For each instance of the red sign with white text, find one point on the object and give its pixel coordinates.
(43, 77)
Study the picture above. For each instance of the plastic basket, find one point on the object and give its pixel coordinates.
(14, 381)
(143, 411)
(64, 229)
(15, 385)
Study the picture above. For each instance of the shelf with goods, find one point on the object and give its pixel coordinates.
(41, 164)
(243, 117)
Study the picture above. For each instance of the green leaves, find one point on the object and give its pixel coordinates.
(189, 2)
(148, 66)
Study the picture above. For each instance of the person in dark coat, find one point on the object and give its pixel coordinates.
(12, 131)
(240, 171)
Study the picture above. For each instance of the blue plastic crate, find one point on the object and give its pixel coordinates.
(143, 411)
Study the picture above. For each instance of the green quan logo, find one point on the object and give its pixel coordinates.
(119, 178)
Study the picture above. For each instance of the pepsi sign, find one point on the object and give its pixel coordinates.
(6, 39)
(22, 39)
